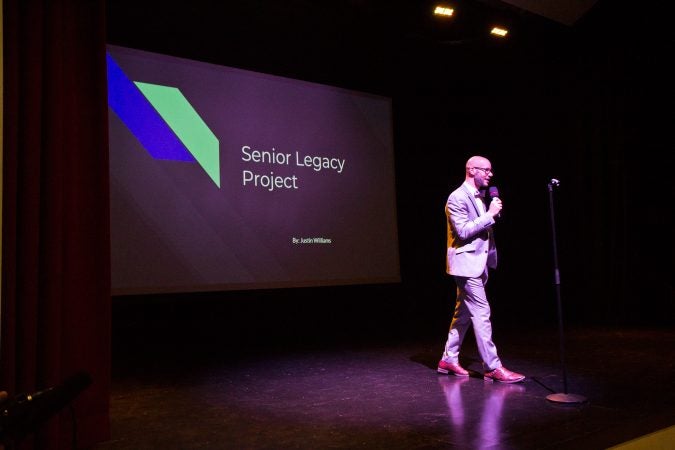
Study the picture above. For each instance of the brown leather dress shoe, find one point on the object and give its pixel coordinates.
(503, 375)
(454, 368)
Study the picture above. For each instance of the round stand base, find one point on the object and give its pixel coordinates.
(566, 398)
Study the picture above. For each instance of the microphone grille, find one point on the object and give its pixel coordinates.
(494, 192)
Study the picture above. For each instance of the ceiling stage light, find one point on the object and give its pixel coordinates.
(444, 11)
(499, 32)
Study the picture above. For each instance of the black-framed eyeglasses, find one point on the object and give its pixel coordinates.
(486, 170)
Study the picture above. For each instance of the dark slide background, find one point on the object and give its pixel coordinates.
(174, 230)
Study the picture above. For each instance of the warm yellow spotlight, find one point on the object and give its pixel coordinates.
(444, 11)
(501, 32)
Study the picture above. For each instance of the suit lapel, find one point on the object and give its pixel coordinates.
(471, 199)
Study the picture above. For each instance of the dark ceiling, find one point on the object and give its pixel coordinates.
(567, 12)
(373, 45)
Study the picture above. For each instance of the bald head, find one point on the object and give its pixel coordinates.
(477, 161)
(478, 171)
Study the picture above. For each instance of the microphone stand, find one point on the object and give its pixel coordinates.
(561, 397)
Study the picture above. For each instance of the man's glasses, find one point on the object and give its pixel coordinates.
(486, 170)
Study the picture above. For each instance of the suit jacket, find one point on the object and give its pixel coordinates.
(471, 244)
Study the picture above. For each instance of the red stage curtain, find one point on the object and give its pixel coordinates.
(56, 232)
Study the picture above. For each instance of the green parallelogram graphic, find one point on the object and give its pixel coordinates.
(186, 123)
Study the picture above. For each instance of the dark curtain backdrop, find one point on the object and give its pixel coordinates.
(615, 240)
(56, 293)
(585, 105)
(587, 109)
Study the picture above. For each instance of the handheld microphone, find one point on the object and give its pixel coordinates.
(494, 193)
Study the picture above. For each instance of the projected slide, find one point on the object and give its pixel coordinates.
(227, 179)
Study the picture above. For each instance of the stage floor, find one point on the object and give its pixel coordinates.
(388, 395)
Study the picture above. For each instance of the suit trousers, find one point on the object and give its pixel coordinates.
(472, 308)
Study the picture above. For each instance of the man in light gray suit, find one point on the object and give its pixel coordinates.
(470, 251)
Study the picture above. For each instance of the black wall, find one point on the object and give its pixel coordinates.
(582, 104)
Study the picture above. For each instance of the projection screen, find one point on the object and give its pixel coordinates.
(227, 179)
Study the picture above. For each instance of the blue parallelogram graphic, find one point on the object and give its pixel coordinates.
(142, 119)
